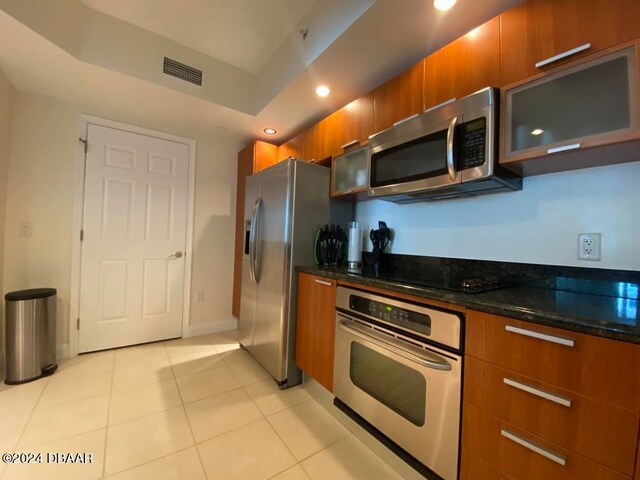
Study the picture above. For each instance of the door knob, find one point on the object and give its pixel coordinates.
(176, 255)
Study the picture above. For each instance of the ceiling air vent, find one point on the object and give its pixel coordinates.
(182, 71)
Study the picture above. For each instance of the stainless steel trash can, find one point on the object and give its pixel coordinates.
(30, 334)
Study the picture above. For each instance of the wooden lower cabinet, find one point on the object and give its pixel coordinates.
(547, 403)
(315, 332)
(599, 431)
(523, 455)
(599, 368)
(473, 467)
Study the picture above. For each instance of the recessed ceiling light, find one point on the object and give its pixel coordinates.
(270, 131)
(537, 131)
(443, 5)
(322, 91)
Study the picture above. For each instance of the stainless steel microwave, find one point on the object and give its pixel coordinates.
(448, 151)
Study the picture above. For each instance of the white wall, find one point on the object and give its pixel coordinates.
(7, 94)
(42, 176)
(538, 225)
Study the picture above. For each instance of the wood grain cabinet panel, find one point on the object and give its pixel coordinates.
(473, 467)
(589, 427)
(316, 327)
(399, 98)
(245, 168)
(254, 157)
(465, 66)
(534, 458)
(600, 368)
(350, 126)
(316, 142)
(264, 155)
(540, 29)
(291, 148)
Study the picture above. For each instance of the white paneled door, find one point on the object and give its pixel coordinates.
(134, 229)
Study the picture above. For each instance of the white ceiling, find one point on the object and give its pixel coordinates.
(243, 33)
(107, 66)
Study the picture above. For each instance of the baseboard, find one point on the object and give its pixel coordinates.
(210, 327)
(62, 351)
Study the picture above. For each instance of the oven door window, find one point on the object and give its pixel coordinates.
(422, 158)
(399, 387)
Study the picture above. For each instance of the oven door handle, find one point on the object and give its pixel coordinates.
(392, 344)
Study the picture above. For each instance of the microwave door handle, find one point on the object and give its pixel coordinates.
(391, 344)
(450, 134)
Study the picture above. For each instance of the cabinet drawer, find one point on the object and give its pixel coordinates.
(600, 368)
(524, 455)
(601, 432)
(473, 467)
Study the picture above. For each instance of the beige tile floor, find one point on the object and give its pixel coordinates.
(189, 409)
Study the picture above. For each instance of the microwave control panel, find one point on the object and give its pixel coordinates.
(472, 146)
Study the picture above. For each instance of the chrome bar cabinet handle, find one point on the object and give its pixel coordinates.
(534, 447)
(567, 342)
(562, 55)
(564, 401)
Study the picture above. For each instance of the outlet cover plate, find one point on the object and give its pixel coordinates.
(590, 246)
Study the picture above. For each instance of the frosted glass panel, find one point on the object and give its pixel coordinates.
(350, 171)
(590, 101)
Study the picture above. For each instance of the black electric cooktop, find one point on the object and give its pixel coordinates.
(477, 284)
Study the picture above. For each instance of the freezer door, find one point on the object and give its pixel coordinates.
(273, 266)
(246, 322)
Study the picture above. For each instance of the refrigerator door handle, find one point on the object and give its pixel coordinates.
(255, 261)
(252, 242)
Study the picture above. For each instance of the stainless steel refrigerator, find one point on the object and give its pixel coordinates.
(284, 206)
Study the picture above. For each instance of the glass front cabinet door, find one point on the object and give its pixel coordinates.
(349, 173)
(588, 103)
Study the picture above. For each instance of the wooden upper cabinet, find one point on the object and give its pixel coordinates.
(541, 29)
(350, 126)
(264, 155)
(314, 144)
(291, 148)
(399, 98)
(465, 66)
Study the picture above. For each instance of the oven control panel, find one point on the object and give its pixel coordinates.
(420, 322)
(402, 317)
(473, 138)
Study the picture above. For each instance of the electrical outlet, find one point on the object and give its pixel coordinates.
(26, 229)
(589, 246)
(200, 296)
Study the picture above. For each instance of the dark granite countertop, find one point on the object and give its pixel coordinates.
(605, 316)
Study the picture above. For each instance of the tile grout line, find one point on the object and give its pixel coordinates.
(168, 454)
(33, 410)
(106, 430)
(314, 453)
(195, 444)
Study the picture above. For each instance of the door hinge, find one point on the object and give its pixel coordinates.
(81, 235)
(78, 325)
(86, 144)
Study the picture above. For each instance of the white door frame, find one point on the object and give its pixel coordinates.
(78, 211)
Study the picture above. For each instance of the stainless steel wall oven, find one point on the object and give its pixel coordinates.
(398, 366)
